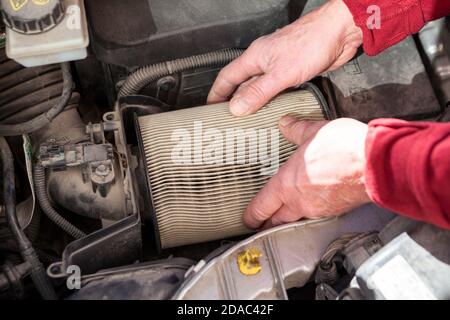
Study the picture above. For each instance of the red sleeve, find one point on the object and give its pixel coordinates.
(408, 168)
(398, 19)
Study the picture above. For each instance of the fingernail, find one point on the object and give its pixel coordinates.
(239, 107)
(287, 120)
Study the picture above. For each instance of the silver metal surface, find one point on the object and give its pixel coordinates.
(289, 257)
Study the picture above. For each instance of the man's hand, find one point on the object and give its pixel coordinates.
(324, 177)
(322, 40)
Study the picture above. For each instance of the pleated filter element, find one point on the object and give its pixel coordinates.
(205, 165)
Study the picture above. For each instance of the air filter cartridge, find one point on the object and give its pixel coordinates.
(205, 165)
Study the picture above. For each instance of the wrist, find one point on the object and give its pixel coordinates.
(358, 163)
(365, 194)
(345, 24)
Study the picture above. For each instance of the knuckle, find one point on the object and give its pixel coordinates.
(287, 186)
(258, 214)
(255, 89)
(222, 77)
(223, 86)
(276, 221)
(297, 127)
(246, 66)
(215, 94)
(256, 43)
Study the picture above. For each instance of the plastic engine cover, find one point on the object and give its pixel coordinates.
(149, 31)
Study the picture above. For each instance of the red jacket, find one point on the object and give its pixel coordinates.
(408, 163)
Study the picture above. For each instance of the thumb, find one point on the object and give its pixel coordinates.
(256, 94)
(297, 131)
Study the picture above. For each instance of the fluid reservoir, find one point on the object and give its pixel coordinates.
(41, 32)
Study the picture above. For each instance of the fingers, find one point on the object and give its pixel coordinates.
(245, 84)
(256, 94)
(264, 204)
(268, 203)
(231, 76)
(282, 216)
(298, 132)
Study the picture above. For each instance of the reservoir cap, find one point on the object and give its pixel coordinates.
(32, 16)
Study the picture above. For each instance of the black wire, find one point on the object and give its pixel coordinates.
(27, 251)
(40, 187)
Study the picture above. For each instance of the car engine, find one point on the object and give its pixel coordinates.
(115, 183)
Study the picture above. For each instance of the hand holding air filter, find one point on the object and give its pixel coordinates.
(205, 165)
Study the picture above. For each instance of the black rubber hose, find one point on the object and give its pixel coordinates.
(45, 118)
(38, 274)
(146, 75)
(44, 203)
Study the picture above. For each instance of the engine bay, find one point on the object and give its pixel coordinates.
(97, 193)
